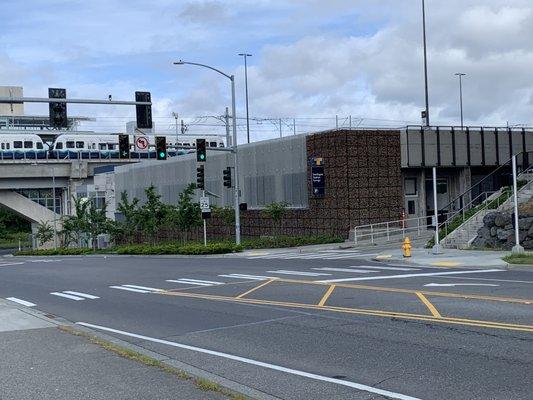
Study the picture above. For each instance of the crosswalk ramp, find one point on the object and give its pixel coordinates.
(321, 255)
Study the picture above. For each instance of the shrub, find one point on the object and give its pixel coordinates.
(289, 241)
(55, 252)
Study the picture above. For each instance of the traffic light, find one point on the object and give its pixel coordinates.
(58, 111)
(201, 151)
(123, 146)
(144, 113)
(200, 177)
(227, 177)
(161, 147)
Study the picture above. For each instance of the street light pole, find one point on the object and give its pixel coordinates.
(245, 55)
(425, 60)
(460, 75)
(54, 200)
(235, 158)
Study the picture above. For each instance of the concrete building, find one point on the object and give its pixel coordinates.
(371, 175)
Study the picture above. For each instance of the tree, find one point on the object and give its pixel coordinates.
(276, 212)
(188, 214)
(44, 233)
(153, 213)
(76, 226)
(130, 212)
(97, 222)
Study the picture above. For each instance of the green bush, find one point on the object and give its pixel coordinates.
(55, 252)
(191, 249)
(211, 248)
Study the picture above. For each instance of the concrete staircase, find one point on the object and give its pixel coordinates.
(462, 237)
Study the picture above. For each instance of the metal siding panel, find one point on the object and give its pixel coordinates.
(475, 147)
(460, 148)
(430, 146)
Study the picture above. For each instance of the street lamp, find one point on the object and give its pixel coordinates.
(234, 115)
(460, 75)
(425, 60)
(245, 56)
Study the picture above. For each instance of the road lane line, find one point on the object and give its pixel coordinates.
(357, 311)
(385, 268)
(487, 279)
(150, 289)
(359, 271)
(13, 263)
(326, 296)
(129, 289)
(428, 304)
(88, 296)
(368, 278)
(254, 289)
(354, 385)
(188, 283)
(67, 296)
(20, 301)
(300, 273)
(200, 281)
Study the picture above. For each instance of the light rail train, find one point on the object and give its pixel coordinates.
(16, 146)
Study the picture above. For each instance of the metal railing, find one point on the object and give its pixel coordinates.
(391, 229)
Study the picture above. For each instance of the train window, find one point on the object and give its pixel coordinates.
(28, 144)
(102, 146)
(212, 144)
(59, 145)
(221, 144)
(17, 144)
(179, 144)
(70, 145)
(39, 146)
(93, 146)
(79, 145)
(186, 144)
(3, 146)
(111, 146)
(7, 146)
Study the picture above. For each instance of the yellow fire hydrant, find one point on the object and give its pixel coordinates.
(406, 247)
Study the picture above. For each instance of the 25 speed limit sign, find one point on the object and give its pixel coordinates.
(141, 143)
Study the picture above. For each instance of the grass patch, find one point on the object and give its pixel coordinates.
(524, 258)
(201, 383)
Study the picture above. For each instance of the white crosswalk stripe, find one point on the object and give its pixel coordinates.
(352, 270)
(201, 281)
(129, 289)
(149, 289)
(384, 268)
(20, 301)
(67, 296)
(87, 296)
(298, 273)
(323, 255)
(195, 282)
(248, 277)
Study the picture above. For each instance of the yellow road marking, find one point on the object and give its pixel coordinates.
(254, 289)
(449, 264)
(411, 291)
(326, 295)
(428, 304)
(379, 313)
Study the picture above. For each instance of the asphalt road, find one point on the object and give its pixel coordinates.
(313, 326)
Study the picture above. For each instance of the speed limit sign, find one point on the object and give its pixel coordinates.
(141, 143)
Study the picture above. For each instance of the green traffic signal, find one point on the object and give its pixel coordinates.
(161, 155)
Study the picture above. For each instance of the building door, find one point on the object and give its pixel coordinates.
(443, 198)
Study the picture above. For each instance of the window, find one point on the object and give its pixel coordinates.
(212, 144)
(102, 146)
(221, 144)
(59, 145)
(179, 144)
(442, 186)
(79, 145)
(111, 146)
(70, 145)
(7, 146)
(186, 144)
(93, 146)
(410, 187)
(28, 144)
(39, 145)
(17, 144)
(3, 146)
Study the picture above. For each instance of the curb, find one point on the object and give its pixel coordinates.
(230, 386)
(520, 267)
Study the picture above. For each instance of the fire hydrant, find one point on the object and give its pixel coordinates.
(406, 247)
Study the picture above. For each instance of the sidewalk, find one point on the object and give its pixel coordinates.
(40, 361)
(449, 258)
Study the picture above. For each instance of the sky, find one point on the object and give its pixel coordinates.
(311, 60)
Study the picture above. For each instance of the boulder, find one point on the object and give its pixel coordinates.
(525, 223)
(488, 220)
(493, 231)
(530, 232)
(528, 244)
(502, 220)
(503, 234)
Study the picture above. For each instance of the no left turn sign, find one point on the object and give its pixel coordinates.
(141, 143)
